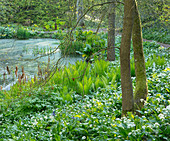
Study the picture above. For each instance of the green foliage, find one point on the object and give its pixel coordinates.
(96, 42)
(72, 76)
(132, 67)
(158, 59)
(7, 33)
(22, 34)
(80, 35)
(159, 34)
(60, 35)
(17, 31)
(60, 111)
(155, 20)
(71, 47)
(31, 12)
(100, 68)
(84, 43)
(77, 44)
(150, 45)
(54, 25)
(97, 116)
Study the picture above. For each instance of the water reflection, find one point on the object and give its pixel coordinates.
(26, 53)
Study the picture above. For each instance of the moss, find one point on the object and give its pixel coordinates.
(141, 89)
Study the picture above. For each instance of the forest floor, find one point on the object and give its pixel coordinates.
(161, 44)
(117, 33)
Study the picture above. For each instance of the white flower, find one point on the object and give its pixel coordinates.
(130, 133)
(88, 105)
(50, 134)
(134, 132)
(131, 124)
(120, 125)
(142, 100)
(83, 138)
(35, 122)
(161, 116)
(168, 107)
(149, 126)
(52, 118)
(158, 99)
(143, 127)
(158, 109)
(156, 125)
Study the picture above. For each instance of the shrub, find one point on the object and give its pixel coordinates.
(23, 33)
(6, 33)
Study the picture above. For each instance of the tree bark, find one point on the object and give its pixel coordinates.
(111, 32)
(141, 89)
(126, 82)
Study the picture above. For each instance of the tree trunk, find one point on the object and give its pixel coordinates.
(141, 89)
(80, 12)
(111, 33)
(126, 82)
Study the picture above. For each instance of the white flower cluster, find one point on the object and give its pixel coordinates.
(91, 19)
(135, 132)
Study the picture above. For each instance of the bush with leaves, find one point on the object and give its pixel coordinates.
(7, 33)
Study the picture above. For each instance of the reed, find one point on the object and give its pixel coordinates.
(8, 70)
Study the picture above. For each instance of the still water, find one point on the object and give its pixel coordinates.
(28, 54)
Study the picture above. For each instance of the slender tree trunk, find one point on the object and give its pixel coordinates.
(111, 32)
(126, 82)
(141, 89)
(80, 12)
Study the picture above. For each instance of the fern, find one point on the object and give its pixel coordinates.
(79, 87)
(100, 67)
(85, 85)
(97, 83)
(149, 63)
(160, 61)
(105, 81)
(118, 74)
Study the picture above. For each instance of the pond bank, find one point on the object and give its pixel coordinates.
(23, 54)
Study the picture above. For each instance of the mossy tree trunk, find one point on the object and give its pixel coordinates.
(141, 89)
(126, 82)
(111, 32)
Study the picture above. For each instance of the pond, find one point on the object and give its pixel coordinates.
(27, 54)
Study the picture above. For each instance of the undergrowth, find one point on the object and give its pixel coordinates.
(72, 107)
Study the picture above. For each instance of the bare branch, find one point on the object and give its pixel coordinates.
(100, 4)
